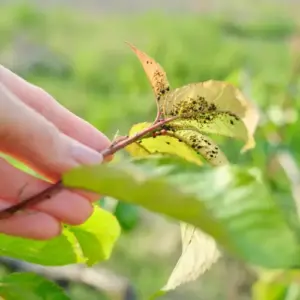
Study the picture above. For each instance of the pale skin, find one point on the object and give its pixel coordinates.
(37, 130)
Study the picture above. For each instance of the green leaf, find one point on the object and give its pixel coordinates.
(262, 290)
(92, 242)
(231, 204)
(127, 215)
(58, 251)
(97, 235)
(282, 174)
(277, 285)
(29, 286)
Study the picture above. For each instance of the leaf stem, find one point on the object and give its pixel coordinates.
(58, 186)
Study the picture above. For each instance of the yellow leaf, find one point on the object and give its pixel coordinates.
(187, 144)
(154, 72)
(199, 253)
(203, 145)
(160, 144)
(212, 107)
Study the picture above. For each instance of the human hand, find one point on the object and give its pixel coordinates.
(38, 131)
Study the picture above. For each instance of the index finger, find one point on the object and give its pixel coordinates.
(66, 121)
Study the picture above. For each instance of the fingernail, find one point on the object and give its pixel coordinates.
(84, 155)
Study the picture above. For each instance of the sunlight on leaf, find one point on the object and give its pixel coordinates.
(97, 235)
(90, 242)
(30, 286)
(55, 252)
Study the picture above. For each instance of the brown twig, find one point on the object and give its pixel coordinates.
(57, 187)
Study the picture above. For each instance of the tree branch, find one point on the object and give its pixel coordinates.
(57, 187)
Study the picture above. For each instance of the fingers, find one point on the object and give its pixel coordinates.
(66, 206)
(30, 137)
(36, 225)
(35, 129)
(64, 120)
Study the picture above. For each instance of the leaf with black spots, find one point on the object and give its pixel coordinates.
(212, 107)
(155, 73)
(161, 144)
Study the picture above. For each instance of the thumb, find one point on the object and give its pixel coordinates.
(29, 137)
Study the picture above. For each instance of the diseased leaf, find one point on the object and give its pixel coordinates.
(160, 144)
(188, 144)
(212, 107)
(30, 286)
(213, 123)
(202, 145)
(90, 242)
(231, 204)
(154, 72)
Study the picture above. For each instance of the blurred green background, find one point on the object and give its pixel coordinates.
(75, 50)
